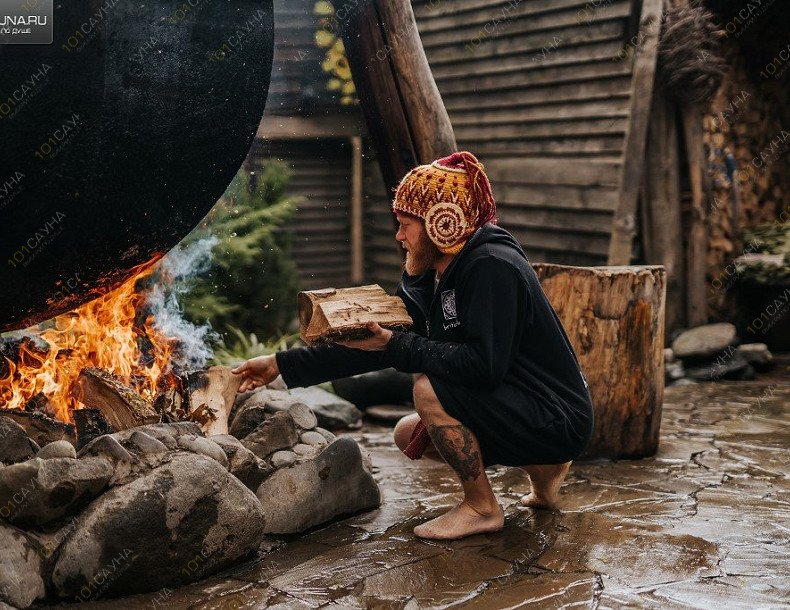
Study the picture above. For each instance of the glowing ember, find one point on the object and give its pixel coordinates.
(106, 333)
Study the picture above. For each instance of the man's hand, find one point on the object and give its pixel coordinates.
(257, 372)
(376, 343)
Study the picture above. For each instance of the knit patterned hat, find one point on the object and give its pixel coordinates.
(453, 197)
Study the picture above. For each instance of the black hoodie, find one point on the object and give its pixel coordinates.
(492, 347)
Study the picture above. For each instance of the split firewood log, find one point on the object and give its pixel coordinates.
(120, 405)
(341, 314)
(40, 427)
(211, 395)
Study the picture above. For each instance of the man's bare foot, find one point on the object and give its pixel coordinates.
(461, 521)
(546, 481)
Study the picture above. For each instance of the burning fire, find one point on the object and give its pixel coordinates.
(106, 333)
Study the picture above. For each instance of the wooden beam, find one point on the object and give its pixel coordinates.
(339, 125)
(405, 116)
(696, 303)
(663, 232)
(331, 314)
(211, 396)
(644, 74)
(357, 247)
(119, 404)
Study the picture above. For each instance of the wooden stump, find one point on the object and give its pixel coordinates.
(614, 318)
(340, 314)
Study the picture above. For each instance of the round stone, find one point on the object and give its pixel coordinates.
(311, 437)
(283, 458)
(302, 449)
(57, 449)
(388, 414)
(329, 436)
(203, 446)
(704, 341)
(303, 416)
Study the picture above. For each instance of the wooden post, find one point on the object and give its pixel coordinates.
(405, 115)
(644, 74)
(696, 299)
(614, 318)
(357, 249)
(663, 233)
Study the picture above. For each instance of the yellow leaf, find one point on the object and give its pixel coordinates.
(324, 39)
(343, 71)
(324, 8)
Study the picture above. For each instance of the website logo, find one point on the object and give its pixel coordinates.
(26, 21)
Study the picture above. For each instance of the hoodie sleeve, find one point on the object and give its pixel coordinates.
(492, 307)
(306, 366)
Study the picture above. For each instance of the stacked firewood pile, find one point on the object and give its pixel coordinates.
(747, 156)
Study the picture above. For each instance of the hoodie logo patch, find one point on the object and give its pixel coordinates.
(448, 304)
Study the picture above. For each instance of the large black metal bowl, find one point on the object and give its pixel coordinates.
(117, 138)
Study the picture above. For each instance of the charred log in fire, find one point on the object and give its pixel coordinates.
(100, 334)
(108, 359)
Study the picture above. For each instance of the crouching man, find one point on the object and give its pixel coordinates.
(496, 379)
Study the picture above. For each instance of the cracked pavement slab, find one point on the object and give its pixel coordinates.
(702, 524)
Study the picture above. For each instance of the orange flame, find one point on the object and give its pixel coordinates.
(103, 333)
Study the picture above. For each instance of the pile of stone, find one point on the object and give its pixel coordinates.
(331, 410)
(162, 505)
(712, 352)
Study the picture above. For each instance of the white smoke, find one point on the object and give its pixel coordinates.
(176, 270)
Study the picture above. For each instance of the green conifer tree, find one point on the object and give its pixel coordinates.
(252, 282)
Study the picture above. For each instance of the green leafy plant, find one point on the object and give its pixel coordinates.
(246, 346)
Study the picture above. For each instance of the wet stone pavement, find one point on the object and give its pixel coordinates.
(703, 524)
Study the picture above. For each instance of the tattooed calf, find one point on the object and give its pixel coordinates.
(459, 449)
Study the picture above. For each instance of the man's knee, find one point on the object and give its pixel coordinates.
(425, 400)
(403, 430)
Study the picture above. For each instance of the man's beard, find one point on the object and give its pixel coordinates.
(422, 257)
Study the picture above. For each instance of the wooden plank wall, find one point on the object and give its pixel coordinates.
(383, 258)
(298, 82)
(321, 165)
(321, 178)
(535, 89)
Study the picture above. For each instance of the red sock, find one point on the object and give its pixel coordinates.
(418, 442)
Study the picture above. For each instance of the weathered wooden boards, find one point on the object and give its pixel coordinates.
(644, 75)
(614, 317)
(662, 231)
(338, 314)
(699, 230)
